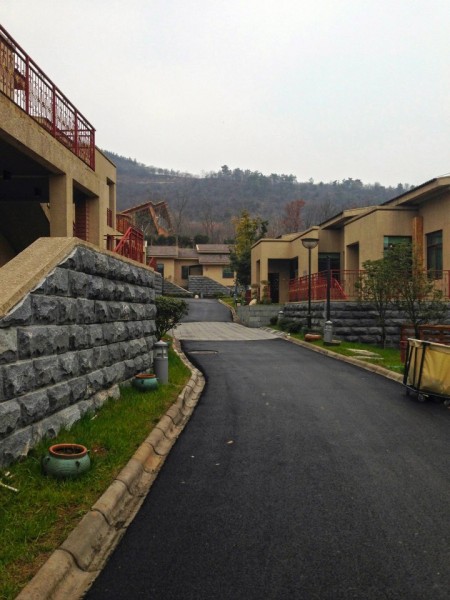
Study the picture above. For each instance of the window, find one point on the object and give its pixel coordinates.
(227, 273)
(393, 240)
(335, 261)
(185, 272)
(434, 254)
(160, 268)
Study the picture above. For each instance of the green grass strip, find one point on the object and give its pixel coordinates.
(37, 518)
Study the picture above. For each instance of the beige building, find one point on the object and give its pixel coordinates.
(53, 180)
(348, 239)
(178, 264)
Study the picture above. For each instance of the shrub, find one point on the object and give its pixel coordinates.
(273, 320)
(295, 327)
(284, 323)
(169, 312)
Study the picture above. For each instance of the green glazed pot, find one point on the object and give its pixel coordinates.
(145, 382)
(66, 461)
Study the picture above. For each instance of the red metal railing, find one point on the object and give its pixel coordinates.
(29, 88)
(343, 285)
(131, 245)
(123, 223)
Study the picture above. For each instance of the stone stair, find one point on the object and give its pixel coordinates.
(206, 287)
(169, 288)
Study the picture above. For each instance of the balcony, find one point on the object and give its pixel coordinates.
(25, 84)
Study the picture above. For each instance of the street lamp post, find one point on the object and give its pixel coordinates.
(309, 244)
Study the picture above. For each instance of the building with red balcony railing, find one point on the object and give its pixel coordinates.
(53, 180)
(420, 216)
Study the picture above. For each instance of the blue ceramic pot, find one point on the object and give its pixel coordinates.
(66, 461)
(145, 382)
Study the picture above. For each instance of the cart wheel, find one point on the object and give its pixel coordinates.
(422, 397)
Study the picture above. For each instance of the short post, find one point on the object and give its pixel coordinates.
(161, 361)
(328, 332)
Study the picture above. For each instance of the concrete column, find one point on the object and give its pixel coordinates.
(417, 239)
(61, 206)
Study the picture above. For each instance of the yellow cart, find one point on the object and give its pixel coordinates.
(427, 370)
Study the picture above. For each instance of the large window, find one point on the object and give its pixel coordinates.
(434, 254)
(394, 240)
(227, 273)
(185, 272)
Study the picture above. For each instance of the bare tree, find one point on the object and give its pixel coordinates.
(292, 220)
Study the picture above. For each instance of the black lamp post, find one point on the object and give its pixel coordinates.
(309, 244)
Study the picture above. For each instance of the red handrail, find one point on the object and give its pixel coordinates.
(343, 285)
(28, 87)
(131, 245)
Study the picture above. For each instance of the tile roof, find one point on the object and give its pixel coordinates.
(162, 251)
(187, 253)
(215, 259)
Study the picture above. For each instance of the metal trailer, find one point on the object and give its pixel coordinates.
(427, 370)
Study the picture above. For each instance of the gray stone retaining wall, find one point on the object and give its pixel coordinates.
(87, 327)
(352, 321)
(258, 315)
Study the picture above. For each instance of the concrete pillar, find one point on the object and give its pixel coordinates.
(417, 239)
(61, 206)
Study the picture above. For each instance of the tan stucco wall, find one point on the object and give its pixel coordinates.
(369, 232)
(436, 216)
(280, 250)
(66, 173)
(215, 272)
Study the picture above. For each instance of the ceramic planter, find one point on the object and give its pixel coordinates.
(66, 461)
(145, 382)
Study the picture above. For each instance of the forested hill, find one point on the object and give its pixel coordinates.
(218, 196)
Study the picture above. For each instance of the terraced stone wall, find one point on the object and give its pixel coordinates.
(352, 321)
(86, 327)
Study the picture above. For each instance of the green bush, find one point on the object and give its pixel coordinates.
(169, 312)
(273, 320)
(295, 327)
(284, 323)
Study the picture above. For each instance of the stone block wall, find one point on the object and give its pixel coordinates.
(86, 327)
(258, 315)
(352, 321)
(205, 287)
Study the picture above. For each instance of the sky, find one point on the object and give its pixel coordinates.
(321, 89)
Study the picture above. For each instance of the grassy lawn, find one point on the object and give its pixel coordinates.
(38, 517)
(389, 358)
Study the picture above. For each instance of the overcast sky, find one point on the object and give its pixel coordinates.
(327, 89)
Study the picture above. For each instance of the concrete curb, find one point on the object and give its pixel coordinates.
(73, 567)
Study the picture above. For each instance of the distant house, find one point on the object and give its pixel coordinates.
(347, 240)
(153, 217)
(178, 265)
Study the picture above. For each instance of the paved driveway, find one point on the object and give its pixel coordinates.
(298, 477)
(211, 320)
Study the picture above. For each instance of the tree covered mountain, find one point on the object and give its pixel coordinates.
(206, 204)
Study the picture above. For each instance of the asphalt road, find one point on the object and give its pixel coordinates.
(206, 310)
(298, 476)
